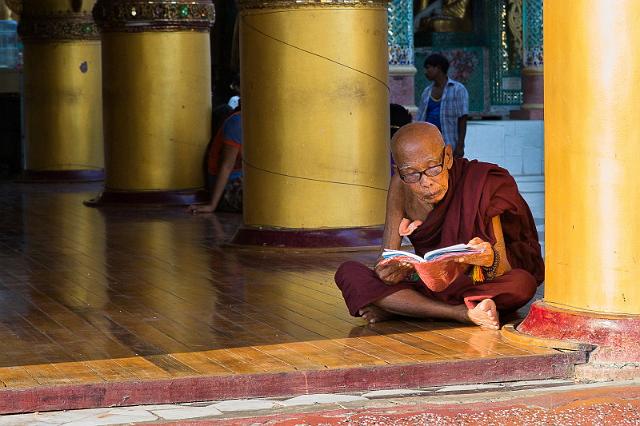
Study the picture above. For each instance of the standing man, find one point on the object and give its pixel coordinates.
(445, 103)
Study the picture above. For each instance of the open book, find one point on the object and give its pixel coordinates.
(457, 250)
(437, 268)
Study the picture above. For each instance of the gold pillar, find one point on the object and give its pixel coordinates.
(62, 90)
(157, 98)
(592, 199)
(315, 113)
(591, 155)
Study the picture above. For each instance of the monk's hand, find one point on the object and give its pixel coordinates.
(484, 257)
(407, 227)
(393, 272)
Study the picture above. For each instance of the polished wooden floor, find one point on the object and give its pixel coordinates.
(122, 295)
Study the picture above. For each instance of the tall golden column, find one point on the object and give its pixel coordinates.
(592, 195)
(315, 122)
(157, 98)
(62, 90)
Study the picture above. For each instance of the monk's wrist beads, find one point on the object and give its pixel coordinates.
(486, 273)
(490, 272)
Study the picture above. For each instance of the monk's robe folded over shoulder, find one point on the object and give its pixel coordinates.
(477, 192)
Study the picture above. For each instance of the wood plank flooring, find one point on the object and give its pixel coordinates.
(119, 305)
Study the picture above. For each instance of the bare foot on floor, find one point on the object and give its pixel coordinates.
(374, 314)
(485, 314)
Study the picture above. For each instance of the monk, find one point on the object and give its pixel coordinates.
(438, 201)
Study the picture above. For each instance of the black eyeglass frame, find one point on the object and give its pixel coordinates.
(415, 177)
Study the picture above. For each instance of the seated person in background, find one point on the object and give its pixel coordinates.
(219, 114)
(439, 201)
(225, 169)
(218, 117)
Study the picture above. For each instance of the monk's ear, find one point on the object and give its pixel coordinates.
(448, 154)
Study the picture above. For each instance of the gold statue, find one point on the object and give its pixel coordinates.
(10, 8)
(443, 16)
(5, 13)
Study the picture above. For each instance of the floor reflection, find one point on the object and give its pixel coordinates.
(154, 292)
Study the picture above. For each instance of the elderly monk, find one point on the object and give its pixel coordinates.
(438, 201)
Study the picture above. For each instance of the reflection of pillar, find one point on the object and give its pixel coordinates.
(157, 106)
(592, 232)
(401, 67)
(532, 71)
(155, 263)
(62, 91)
(315, 121)
(80, 278)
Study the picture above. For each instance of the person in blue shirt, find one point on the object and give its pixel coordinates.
(445, 103)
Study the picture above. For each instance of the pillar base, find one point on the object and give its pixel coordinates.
(339, 239)
(55, 176)
(158, 198)
(532, 94)
(616, 336)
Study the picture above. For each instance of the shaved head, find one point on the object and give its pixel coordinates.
(418, 149)
(414, 137)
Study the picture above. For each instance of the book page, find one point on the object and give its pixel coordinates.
(455, 249)
(390, 254)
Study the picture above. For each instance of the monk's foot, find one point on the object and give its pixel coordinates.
(373, 314)
(485, 314)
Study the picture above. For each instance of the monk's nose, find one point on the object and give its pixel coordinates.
(426, 181)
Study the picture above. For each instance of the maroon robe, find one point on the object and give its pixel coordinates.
(477, 192)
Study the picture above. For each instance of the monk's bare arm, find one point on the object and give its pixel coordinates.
(500, 247)
(393, 273)
(391, 238)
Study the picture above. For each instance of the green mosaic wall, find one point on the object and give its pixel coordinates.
(505, 60)
(532, 29)
(400, 32)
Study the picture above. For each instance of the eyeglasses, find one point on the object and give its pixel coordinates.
(430, 171)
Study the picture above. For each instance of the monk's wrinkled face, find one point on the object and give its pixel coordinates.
(424, 167)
